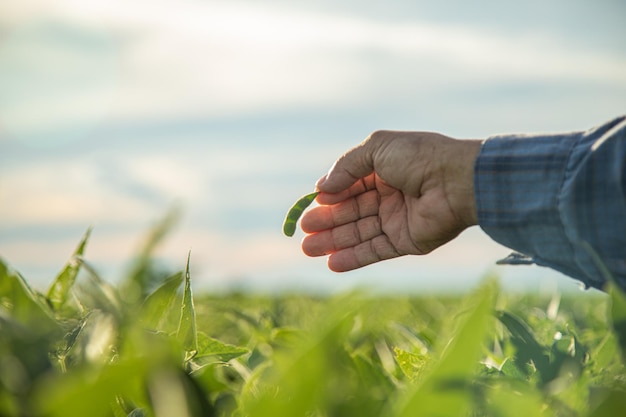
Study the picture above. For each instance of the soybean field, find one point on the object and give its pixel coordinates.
(147, 346)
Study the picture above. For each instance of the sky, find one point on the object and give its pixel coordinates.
(112, 113)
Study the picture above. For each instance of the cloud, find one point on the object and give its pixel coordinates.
(83, 64)
(234, 109)
(61, 192)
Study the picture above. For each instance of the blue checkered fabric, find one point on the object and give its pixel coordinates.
(560, 200)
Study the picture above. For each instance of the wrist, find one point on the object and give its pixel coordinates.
(460, 180)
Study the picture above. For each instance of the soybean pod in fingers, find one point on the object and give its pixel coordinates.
(289, 226)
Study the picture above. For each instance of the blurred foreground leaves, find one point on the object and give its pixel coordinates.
(147, 348)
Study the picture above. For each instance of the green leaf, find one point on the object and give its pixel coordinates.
(511, 370)
(286, 336)
(187, 333)
(61, 286)
(612, 405)
(141, 276)
(24, 356)
(515, 400)
(617, 313)
(156, 307)
(213, 348)
(96, 293)
(605, 352)
(90, 392)
(306, 377)
(174, 393)
(568, 353)
(372, 375)
(411, 364)
(69, 342)
(529, 353)
(22, 302)
(117, 409)
(446, 390)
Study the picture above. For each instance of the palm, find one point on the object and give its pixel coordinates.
(372, 221)
(415, 225)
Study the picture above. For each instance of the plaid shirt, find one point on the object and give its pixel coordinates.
(558, 200)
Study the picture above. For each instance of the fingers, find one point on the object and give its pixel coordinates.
(349, 168)
(366, 253)
(346, 225)
(341, 237)
(358, 187)
(351, 245)
(349, 210)
(349, 231)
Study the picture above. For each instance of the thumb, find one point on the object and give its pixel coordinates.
(355, 164)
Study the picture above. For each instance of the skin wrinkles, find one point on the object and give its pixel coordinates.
(395, 194)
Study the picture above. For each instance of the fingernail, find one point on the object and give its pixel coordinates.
(321, 181)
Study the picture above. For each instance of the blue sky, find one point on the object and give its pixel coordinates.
(112, 112)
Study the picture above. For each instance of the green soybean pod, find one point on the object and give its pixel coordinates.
(294, 213)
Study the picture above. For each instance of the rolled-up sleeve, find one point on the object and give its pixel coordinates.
(559, 200)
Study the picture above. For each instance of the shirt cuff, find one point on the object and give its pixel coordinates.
(517, 183)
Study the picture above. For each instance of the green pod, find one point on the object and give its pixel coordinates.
(289, 226)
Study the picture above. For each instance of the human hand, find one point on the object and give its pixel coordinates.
(395, 194)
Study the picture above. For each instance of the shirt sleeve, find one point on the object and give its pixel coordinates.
(559, 200)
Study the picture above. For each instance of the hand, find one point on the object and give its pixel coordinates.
(397, 193)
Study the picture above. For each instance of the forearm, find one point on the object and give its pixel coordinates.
(556, 198)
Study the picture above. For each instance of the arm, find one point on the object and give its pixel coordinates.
(559, 199)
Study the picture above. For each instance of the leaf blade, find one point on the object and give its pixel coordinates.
(157, 305)
(187, 333)
(445, 391)
(60, 288)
